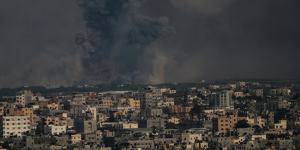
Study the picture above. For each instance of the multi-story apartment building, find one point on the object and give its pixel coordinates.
(56, 130)
(222, 99)
(225, 123)
(134, 103)
(75, 138)
(15, 125)
(59, 121)
(180, 109)
(23, 98)
(106, 103)
(85, 126)
(26, 112)
(190, 138)
(2, 109)
(53, 106)
(93, 110)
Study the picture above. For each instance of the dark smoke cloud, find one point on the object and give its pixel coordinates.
(214, 39)
(37, 42)
(147, 41)
(199, 7)
(248, 39)
(119, 36)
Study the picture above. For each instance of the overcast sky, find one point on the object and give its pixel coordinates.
(61, 42)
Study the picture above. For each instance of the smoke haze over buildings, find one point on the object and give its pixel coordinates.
(146, 41)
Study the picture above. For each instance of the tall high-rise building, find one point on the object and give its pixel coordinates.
(221, 99)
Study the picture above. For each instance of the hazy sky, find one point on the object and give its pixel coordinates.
(62, 42)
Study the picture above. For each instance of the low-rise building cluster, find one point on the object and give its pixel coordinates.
(226, 115)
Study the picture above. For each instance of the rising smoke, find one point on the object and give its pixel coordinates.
(156, 41)
(118, 37)
(147, 41)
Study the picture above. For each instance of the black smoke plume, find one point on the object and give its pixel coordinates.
(117, 37)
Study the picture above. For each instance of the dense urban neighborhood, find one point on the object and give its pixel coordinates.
(238, 115)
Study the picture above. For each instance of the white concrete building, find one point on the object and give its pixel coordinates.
(75, 138)
(57, 130)
(15, 125)
(190, 138)
(130, 125)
